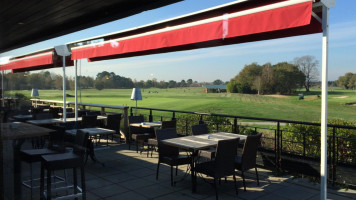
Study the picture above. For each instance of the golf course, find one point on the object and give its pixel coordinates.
(287, 107)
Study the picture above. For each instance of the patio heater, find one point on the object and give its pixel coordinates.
(136, 95)
(62, 50)
(34, 93)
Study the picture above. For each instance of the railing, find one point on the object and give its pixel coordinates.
(85, 105)
(282, 149)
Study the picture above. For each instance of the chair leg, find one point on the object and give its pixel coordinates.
(258, 182)
(216, 188)
(157, 170)
(171, 175)
(83, 183)
(243, 180)
(148, 150)
(237, 192)
(177, 170)
(49, 189)
(42, 182)
(75, 181)
(31, 174)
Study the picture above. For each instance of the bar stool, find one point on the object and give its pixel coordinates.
(71, 160)
(56, 145)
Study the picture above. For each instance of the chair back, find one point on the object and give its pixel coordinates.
(39, 116)
(225, 157)
(80, 143)
(70, 114)
(249, 151)
(91, 113)
(136, 119)
(113, 122)
(199, 129)
(56, 140)
(163, 149)
(169, 124)
(89, 121)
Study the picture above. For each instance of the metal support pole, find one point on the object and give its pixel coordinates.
(64, 90)
(324, 106)
(2, 90)
(76, 91)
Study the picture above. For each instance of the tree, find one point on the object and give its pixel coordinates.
(99, 84)
(267, 79)
(257, 84)
(218, 82)
(172, 84)
(287, 78)
(189, 82)
(309, 66)
(247, 76)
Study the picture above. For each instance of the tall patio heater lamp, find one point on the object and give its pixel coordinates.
(62, 50)
(136, 95)
(34, 93)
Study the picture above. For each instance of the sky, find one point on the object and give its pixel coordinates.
(209, 64)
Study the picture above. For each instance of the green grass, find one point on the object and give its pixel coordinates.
(193, 99)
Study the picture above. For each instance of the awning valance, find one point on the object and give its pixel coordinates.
(38, 61)
(281, 19)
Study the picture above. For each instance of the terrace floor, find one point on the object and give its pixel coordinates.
(131, 175)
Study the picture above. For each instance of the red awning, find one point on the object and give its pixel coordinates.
(281, 19)
(39, 61)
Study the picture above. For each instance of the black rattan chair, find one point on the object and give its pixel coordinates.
(71, 160)
(152, 142)
(223, 164)
(248, 158)
(137, 133)
(201, 129)
(89, 121)
(113, 123)
(168, 154)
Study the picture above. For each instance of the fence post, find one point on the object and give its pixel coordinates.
(126, 124)
(235, 126)
(304, 144)
(333, 166)
(186, 127)
(277, 148)
(174, 116)
(150, 118)
(201, 120)
(131, 111)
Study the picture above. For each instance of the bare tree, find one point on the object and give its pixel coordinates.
(309, 66)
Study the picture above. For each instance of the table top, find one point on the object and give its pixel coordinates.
(23, 117)
(91, 131)
(58, 121)
(147, 124)
(22, 131)
(197, 142)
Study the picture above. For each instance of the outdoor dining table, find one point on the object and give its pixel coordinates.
(17, 132)
(199, 142)
(147, 124)
(23, 118)
(93, 132)
(59, 121)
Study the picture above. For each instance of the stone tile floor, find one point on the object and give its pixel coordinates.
(131, 175)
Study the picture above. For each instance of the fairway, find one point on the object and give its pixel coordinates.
(194, 99)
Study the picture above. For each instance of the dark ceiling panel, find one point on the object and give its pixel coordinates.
(29, 21)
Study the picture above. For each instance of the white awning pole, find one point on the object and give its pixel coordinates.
(2, 90)
(64, 90)
(76, 91)
(324, 107)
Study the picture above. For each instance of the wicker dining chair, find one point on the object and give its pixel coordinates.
(152, 142)
(223, 164)
(168, 154)
(247, 160)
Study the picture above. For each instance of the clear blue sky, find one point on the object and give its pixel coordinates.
(218, 62)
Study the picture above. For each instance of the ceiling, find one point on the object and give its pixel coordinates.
(26, 22)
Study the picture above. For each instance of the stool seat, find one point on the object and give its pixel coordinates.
(34, 155)
(62, 161)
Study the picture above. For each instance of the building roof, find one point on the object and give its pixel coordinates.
(221, 87)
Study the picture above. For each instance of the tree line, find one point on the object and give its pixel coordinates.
(103, 80)
(348, 81)
(283, 77)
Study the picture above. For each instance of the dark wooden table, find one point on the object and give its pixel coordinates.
(17, 132)
(199, 142)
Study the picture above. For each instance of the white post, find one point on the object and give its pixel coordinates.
(76, 92)
(324, 106)
(64, 90)
(2, 90)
